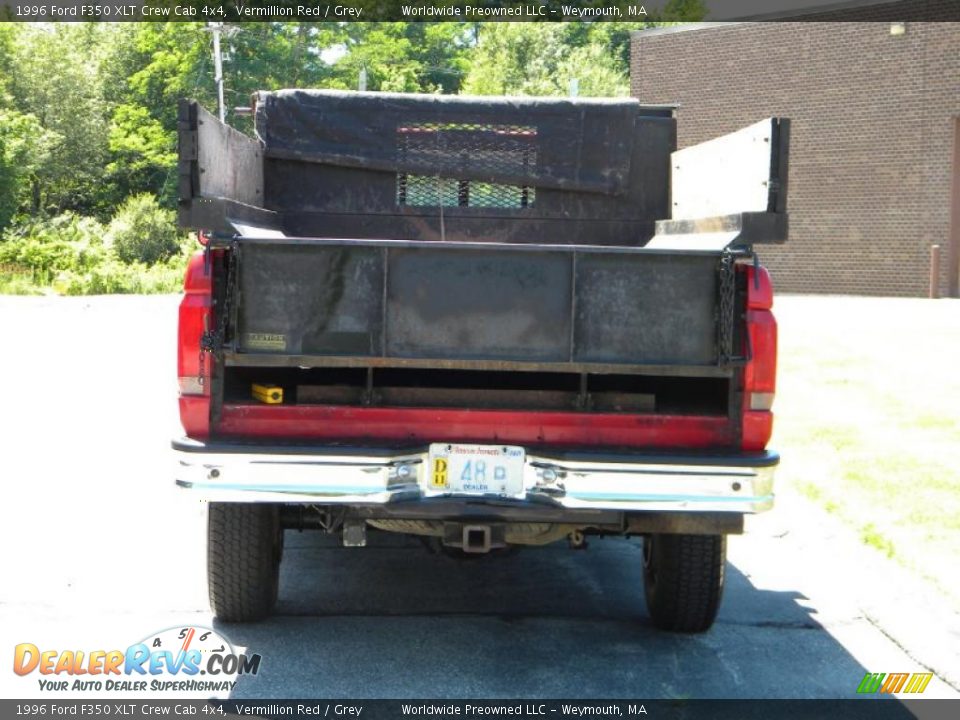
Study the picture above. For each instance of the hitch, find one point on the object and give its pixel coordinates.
(474, 538)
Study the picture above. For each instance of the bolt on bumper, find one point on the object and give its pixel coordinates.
(576, 481)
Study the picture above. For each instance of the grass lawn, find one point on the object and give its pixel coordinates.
(868, 421)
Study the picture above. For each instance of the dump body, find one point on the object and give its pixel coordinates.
(415, 311)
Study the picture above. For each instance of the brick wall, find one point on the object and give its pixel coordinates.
(871, 137)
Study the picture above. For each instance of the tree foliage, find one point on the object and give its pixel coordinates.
(142, 231)
(56, 79)
(25, 148)
(524, 58)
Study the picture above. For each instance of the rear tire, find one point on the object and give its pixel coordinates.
(244, 546)
(683, 580)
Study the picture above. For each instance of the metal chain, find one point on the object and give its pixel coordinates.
(201, 366)
(212, 341)
(727, 307)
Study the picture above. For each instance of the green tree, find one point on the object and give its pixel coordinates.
(541, 59)
(684, 11)
(25, 148)
(7, 31)
(403, 56)
(270, 56)
(148, 68)
(142, 231)
(56, 80)
(153, 65)
(597, 75)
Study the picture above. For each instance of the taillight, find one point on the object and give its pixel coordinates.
(193, 371)
(760, 373)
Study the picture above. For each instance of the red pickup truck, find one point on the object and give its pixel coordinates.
(489, 322)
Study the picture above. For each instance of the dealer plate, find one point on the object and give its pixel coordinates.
(475, 469)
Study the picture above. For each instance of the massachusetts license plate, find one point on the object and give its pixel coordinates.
(476, 469)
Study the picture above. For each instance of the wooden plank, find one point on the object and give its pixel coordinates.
(274, 360)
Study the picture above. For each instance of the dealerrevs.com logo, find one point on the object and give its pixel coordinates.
(179, 659)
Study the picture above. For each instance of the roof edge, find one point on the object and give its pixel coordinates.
(685, 27)
(798, 14)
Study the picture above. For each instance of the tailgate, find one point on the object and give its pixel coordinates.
(475, 306)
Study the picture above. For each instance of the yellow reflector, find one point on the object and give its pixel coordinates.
(269, 394)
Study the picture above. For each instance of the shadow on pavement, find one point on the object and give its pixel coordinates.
(398, 621)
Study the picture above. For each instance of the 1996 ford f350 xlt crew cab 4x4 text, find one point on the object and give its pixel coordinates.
(488, 322)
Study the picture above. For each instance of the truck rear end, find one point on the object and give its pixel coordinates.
(485, 322)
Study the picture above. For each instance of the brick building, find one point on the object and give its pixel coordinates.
(875, 138)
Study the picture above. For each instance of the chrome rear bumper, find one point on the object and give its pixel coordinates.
(576, 481)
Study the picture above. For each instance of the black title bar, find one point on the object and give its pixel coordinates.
(475, 10)
(879, 708)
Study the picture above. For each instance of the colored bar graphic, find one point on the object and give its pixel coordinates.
(918, 683)
(894, 683)
(871, 682)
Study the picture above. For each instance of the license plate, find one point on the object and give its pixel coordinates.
(476, 469)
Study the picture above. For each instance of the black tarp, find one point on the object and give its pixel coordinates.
(582, 145)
